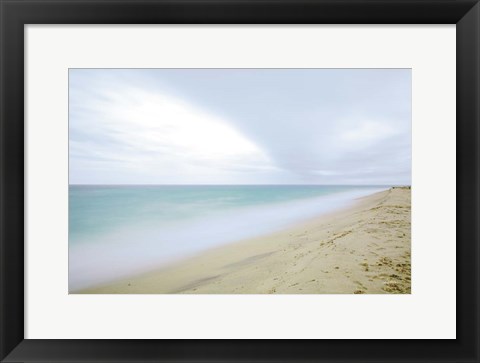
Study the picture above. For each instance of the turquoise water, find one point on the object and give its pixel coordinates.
(115, 231)
(99, 209)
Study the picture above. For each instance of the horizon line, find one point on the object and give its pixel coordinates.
(152, 184)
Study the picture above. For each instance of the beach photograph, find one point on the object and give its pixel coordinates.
(239, 181)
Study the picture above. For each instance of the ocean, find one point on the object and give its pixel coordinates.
(117, 231)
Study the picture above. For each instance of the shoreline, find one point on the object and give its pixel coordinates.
(364, 248)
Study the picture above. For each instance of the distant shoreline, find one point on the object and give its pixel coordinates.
(253, 185)
(361, 249)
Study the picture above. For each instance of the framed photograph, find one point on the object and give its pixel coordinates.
(162, 184)
(239, 181)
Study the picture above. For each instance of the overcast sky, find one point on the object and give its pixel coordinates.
(240, 126)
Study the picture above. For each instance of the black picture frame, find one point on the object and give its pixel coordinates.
(15, 14)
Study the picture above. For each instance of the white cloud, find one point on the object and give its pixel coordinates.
(236, 126)
(363, 133)
(159, 138)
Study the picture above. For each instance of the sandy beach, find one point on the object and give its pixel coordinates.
(364, 249)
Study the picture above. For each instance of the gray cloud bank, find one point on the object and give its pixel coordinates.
(240, 126)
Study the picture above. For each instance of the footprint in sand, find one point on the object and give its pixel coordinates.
(360, 285)
(365, 265)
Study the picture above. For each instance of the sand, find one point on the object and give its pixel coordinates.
(363, 249)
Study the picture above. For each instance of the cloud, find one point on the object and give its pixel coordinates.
(156, 138)
(240, 126)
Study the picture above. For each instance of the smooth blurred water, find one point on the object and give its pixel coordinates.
(115, 231)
